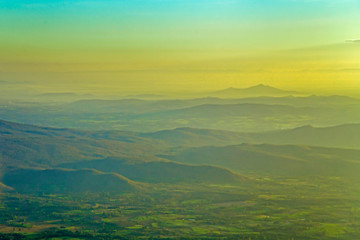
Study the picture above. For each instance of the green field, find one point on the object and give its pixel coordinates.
(308, 208)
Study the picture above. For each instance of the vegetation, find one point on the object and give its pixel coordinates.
(183, 183)
(310, 208)
(243, 115)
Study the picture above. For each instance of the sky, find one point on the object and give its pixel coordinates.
(116, 46)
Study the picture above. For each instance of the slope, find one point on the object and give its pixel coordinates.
(285, 160)
(32, 146)
(27, 146)
(346, 135)
(159, 171)
(67, 181)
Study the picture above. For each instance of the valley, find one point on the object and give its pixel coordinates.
(185, 182)
(179, 120)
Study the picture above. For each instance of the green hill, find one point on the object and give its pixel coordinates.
(145, 106)
(32, 146)
(128, 154)
(159, 171)
(4, 188)
(195, 137)
(286, 160)
(67, 181)
(247, 114)
(345, 136)
(228, 110)
(245, 117)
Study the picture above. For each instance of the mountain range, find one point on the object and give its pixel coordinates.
(43, 159)
(254, 91)
(344, 136)
(135, 105)
(241, 114)
(280, 160)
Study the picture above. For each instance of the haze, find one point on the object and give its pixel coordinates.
(122, 47)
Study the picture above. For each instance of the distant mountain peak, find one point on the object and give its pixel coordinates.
(257, 90)
(262, 86)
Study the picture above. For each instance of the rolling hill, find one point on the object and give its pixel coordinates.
(249, 117)
(141, 156)
(159, 171)
(134, 105)
(228, 110)
(196, 137)
(26, 148)
(32, 146)
(67, 181)
(283, 160)
(248, 114)
(344, 136)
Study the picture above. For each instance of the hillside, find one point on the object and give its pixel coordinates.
(67, 181)
(128, 154)
(24, 145)
(244, 115)
(139, 105)
(159, 171)
(247, 117)
(4, 188)
(347, 135)
(230, 110)
(196, 137)
(283, 160)
(331, 101)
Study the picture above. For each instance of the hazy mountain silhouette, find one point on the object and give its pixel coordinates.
(248, 114)
(286, 160)
(347, 135)
(258, 90)
(144, 106)
(245, 109)
(147, 96)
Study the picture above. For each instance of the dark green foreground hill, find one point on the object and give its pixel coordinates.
(160, 171)
(68, 181)
(152, 158)
(30, 158)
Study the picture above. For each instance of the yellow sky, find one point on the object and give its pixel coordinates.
(113, 47)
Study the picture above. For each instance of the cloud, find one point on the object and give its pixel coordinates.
(352, 40)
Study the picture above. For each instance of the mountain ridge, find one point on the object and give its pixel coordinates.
(284, 160)
(257, 90)
(31, 180)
